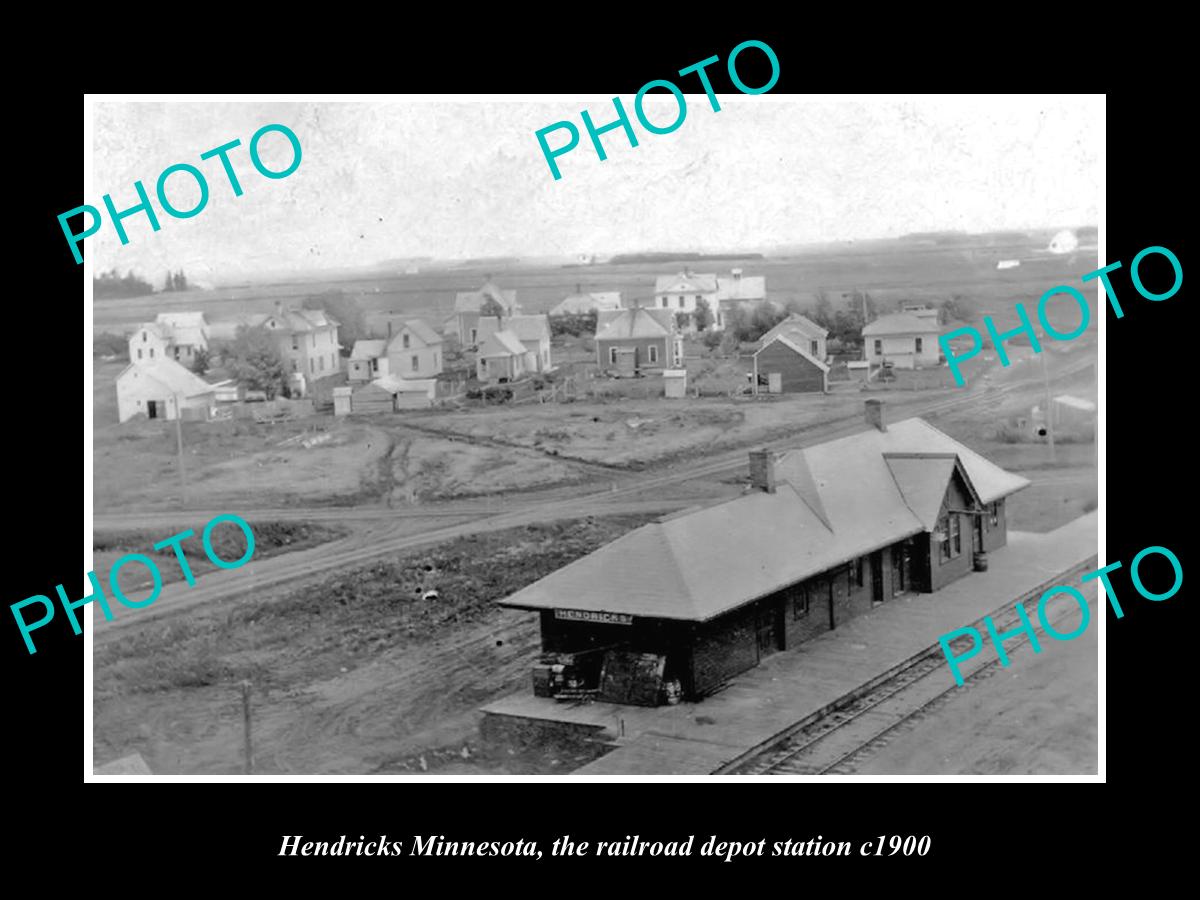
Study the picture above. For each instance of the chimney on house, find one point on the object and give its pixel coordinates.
(875, 414)
(762, 471)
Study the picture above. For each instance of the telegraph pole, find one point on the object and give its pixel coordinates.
(249, 751)
(1049, 414)
(179, 448)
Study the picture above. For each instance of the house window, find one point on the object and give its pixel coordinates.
(472, 335)
(994, 514)
(177, 353)
(879, 348)
(311, 367)
(697, 298)
(653, 353)
(143, 337)
(813, 348)
(416, 363)
(374, 365)
(152, 353)
(856, 572)
(951, 528)
(917, 345)
(435, 361)
(681, 303)
(664, 301)
(956, 534)
(404, 341)
(612, 355)
(139, 353)
(295, 367)
(943, 527)
(321, 363)
(799, 602)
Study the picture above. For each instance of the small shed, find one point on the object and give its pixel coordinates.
(342, 400)
(795, 370)
(675, 383)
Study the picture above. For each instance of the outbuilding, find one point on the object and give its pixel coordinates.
(786, 367)
(163, 389)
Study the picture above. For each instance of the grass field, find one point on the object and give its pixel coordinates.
(349, 672)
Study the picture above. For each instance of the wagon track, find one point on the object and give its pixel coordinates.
(834, 740)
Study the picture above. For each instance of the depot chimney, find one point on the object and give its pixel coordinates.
(875, 414)
(762, 471)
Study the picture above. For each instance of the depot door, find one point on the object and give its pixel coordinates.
(876, 576)
(977, 534)
(627, 361)
(152, 409)
(770, 629)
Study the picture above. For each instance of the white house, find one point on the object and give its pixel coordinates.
(469, 304)
(368, 360)
(160, 389)
(532, 331)
(151, 342)
(307, 340)
(682, 292)
(415, 351)
(902, 339)
(188, 334)
(733, 291)
(501, 357)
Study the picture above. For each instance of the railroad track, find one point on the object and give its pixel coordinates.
(832, 742)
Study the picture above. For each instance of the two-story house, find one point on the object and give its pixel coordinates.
(469, 306)
(532, 331)
(307, 340)
(188, 334)
(415, 351)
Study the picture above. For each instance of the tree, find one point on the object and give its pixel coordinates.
(683, 320)
(823, 314)
(954, 310)
(490, 308)
(110, 285)
(352, 324)
(200, 361)
(712, 339)
(702, 317)
(254, 359)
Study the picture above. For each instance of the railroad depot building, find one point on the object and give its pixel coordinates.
(823, 534)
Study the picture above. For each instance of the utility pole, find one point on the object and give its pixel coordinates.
(179, 448)
(246, 726)
(1049, 414)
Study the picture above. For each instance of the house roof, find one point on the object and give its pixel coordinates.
(171, 375)
(796, 322)
(301, 320)
(422, 330)
(471, 301)
(685, 283)
(368, 349)
(752, 287)
(901, 323)
(576, 304)
(795, 341)
(185, 327)
(501, 343)
(154, 328)
(834, 502)
(639, 322)
(528, 328)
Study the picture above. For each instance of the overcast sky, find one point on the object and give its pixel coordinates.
(385, 180)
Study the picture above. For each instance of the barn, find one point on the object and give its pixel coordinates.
(161, 389)
(782, 365)
(822, 535)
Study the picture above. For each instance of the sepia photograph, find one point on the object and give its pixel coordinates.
(428, 442)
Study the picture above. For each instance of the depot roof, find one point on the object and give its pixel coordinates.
(833, 503)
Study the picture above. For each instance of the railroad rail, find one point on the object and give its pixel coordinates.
(832, 740)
